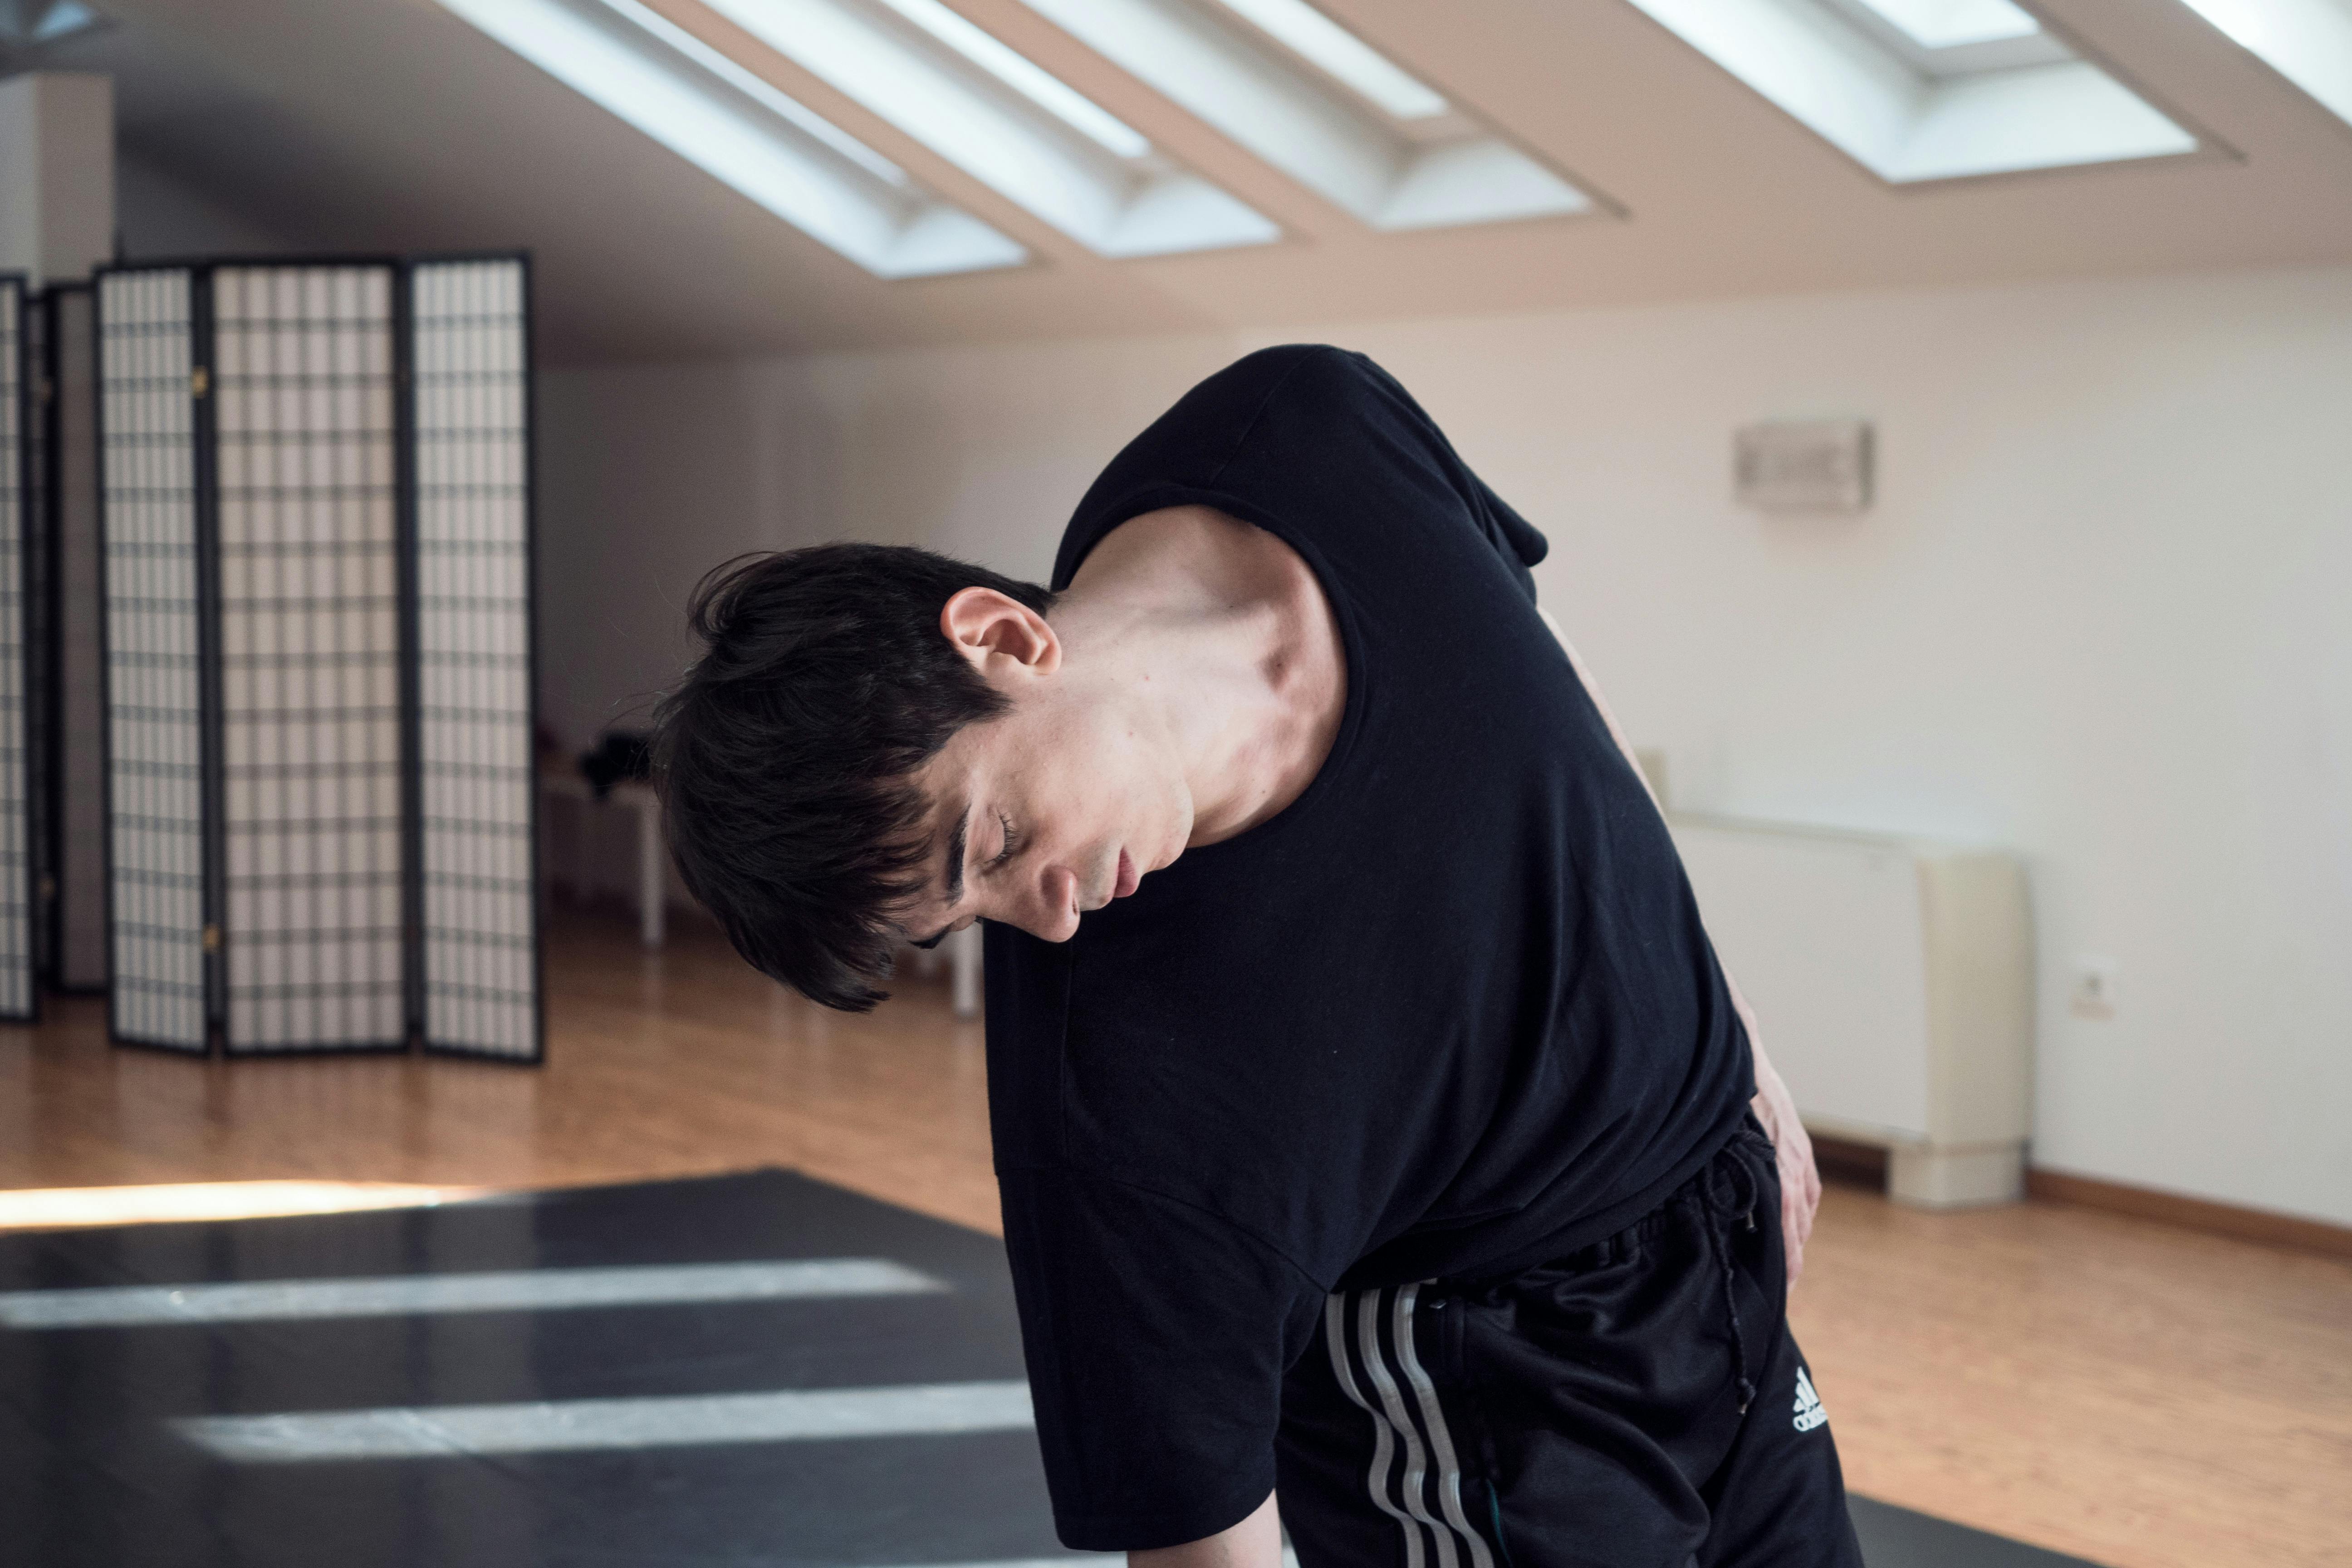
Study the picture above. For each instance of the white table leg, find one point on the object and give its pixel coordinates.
(650, 887)
(565, 831)
(964, 951)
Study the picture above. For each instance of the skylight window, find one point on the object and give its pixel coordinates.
(1339, 117)
(1041, 86)
(1942, 23)
(742, 131)
(1341, 55)
(1003, 121)
(2309, 42)
(1928, 90)
(1940, 39)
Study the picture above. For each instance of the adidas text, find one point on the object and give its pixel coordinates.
(1810, 1412)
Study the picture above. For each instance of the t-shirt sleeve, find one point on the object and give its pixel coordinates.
(1157, 1335)
(1515, 539)
(1518, 543)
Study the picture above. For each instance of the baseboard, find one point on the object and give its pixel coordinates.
(1864, 1165)
(2191, 1214)
(1850, 1164)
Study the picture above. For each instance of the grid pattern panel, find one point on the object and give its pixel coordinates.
(16, 997)
(475, 799)
(154, 691)
(309, 635)
(39, 320)
(77, 680)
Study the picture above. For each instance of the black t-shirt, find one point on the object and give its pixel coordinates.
(1450, 1013)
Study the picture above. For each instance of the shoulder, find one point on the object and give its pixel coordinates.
(1320, 371)
(1250, 436)
(1315, 383)
(1330, 396)
(1323, 367)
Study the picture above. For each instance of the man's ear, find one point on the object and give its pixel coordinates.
(999, 634)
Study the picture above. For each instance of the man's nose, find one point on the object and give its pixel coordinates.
(1055, 917)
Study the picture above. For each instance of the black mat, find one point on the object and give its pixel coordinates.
(92, 1473)
(1897, 1538)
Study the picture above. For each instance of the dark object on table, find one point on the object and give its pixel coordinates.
(621, 755)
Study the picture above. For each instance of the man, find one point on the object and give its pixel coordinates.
(1372, 1121)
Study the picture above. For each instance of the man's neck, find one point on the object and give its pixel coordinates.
(1215, 638)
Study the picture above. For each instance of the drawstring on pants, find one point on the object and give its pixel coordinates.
(1743, 1203)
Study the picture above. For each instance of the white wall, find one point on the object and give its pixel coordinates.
(158, 217)
(2098, 615)
(645, 477)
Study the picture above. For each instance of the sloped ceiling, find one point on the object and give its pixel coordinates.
(390, 125)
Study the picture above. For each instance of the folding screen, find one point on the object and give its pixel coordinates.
(308, 660)
(158, 900)
(480, 958)
(316, 523)
(72, 688)
(35, 460)
(17, 996)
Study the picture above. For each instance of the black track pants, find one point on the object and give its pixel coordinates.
(1586, 1413)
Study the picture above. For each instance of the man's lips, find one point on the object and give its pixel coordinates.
(1128, 876)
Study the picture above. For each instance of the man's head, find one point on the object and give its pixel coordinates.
(879, 744)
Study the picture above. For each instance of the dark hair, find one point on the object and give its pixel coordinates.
(784, 757)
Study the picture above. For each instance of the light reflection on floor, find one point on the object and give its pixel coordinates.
(76, 1208)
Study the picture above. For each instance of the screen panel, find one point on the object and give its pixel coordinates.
(475, 799)
(154, 690)
(78, 652)
(40, 663)
(310, 639)
(77, 683)
(17, 957)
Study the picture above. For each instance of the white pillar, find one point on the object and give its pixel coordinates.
(56, 174)
(963, 950)
(653, 866)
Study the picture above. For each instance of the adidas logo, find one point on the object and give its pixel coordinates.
(1810, 1412)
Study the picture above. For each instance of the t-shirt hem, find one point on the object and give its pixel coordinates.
(1617, 1217)
(1146, 1531)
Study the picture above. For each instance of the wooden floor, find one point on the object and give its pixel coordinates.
(2137, 1395)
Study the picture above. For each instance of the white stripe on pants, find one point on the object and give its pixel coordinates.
(1394, 1432)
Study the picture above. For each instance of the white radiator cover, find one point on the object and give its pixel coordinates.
(1893, 986)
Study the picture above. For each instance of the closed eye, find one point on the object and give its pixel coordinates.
(1011, 843)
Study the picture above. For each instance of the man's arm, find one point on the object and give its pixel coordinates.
(1793, 1147)
(1254, 1543)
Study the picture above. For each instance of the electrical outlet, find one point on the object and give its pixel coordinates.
(2095, 987)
